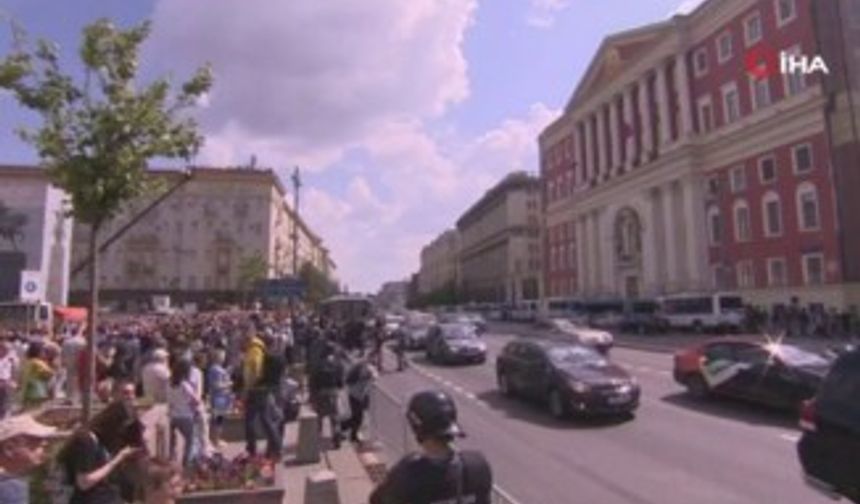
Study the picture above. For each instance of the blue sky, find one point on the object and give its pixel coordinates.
(401, 114)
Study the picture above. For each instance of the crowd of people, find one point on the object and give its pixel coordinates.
(205, 368)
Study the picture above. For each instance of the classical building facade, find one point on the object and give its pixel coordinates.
(35, 234)
(500, 243)
(440, 263)
(194, 243)
(687, 161)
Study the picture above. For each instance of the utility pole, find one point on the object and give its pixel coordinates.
(297, 184)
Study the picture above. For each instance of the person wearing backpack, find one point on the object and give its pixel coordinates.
(326, 383)
(359, 379)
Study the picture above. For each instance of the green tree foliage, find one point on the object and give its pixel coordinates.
(319, 285)
(251, 270)
(97, 136)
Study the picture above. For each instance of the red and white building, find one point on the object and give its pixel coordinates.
(675, 168)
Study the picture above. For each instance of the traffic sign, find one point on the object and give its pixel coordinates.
(32, 288)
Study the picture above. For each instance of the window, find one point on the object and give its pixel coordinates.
(715, 226)
(713, 186)
(776, 276)
(706, 114)
(807, 207)
(786, 11)
(738, 179)
(794, 82)
(813, 269)
(742, 221)
(752, 29)
(772, 212)
(767, 169)
(192, 282)
(746, 274)
(700, 62)
(724, 47)
(801, 156)
(760, 91)
(731, 103)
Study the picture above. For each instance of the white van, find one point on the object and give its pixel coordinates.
(704, 312)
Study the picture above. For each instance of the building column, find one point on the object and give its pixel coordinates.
(602, 158)
(645, 132)
(615, 129)
(663, 107)
(597, 260)
(695, 243)
(629, 120)
(581, 244)
(670, 240)
(682, 84)
(650, 244)
(579, 157)
(589, 149)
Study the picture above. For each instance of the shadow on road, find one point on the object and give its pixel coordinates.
(534, 412)
(753, 414)
(422, 360)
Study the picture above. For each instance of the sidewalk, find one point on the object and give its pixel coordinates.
(670, 343)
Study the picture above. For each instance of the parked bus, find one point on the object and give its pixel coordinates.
(347, 308)
(18, 315)
(704, 312)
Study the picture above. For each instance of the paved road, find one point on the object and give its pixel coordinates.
(676, 450)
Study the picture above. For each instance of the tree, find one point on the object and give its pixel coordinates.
(319, 286)
(252, 269)
(98, 135)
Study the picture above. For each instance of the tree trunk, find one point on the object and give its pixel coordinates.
(92, 322)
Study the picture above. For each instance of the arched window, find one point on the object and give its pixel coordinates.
(772, 214)
(741, 213)
(715, 225)
(807, 207)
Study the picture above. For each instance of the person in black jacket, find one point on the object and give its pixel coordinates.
(326, 383)
(440, 473)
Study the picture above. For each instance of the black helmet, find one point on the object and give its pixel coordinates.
(433, 414)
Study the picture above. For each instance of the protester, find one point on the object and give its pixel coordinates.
(184, 407)
(156, 377)
(92, 458)
(326, 383)
(35, 377)
(72, 347)
(359, 379)
(9, 371)
(201, 426)
(219, 394)
(259, 401)
(22, 449)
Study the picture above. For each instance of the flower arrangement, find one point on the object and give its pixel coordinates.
(220, 473)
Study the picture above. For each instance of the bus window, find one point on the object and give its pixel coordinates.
(731, 303)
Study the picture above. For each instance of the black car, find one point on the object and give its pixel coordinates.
(829, 449)
(569, 378)
(773, 374)
(455, 343)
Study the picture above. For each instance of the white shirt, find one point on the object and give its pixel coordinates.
(72, 346)
(196, 379)
(155, 378)
(9, 367)
(179, 401)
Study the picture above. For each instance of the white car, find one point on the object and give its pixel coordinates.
(596, 338)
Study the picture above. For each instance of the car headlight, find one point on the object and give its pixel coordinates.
(579, 387)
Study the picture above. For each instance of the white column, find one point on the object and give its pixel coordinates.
(578, 149)
(645, 115)
(603, 164)
(597, 260)
(682, 83)
(630, 145)
(650, 244)
(670, 241)
(694, 223)
(580, 242)
(615, 129)
(663, 107)
(589, 148)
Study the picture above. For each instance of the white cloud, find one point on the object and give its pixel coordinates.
(542, 13)
(686, 7)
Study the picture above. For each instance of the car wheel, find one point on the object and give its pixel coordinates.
(696, 386)
(556, 404)
(505, 384)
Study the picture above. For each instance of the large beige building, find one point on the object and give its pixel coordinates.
(193, 244)
(440, 264)
(500, 243)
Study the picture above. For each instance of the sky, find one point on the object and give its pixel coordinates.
(400, 113)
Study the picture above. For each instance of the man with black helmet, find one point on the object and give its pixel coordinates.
(440, 474)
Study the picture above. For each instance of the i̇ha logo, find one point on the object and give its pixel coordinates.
(763, 61)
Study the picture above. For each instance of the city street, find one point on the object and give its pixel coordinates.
(676, 450)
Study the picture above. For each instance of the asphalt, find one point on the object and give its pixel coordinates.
(675, 449)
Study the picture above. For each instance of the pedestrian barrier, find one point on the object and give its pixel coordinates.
(388, 427)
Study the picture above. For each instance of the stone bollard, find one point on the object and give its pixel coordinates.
(321, 488)
(308, 446)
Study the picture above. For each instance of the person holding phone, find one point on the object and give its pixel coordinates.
(93, 456)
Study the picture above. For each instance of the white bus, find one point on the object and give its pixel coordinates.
(704, 312)
(348, 308)
(18, 315)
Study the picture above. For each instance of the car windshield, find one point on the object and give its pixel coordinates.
(575, 355)
(459, 332)
(794, 356)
